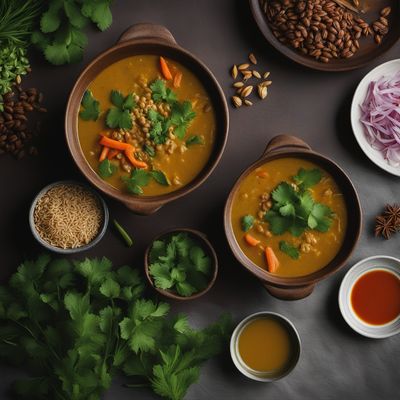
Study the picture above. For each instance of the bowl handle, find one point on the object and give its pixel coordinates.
(147, 31)
(295, 293)
(144, 208)
(283, 143)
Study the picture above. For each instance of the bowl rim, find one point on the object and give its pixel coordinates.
(205, 244)
(236, 334)
(222, 119)
(265, 276)
(358, 130)
(59, 250)
(298, 58)
(346, 287)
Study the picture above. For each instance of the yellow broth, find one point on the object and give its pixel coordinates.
(134, 75)
(265, 345)
(316, 248)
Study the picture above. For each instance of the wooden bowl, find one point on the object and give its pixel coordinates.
(368, 51)
(145, 39)
(205, 245)
(283, 146)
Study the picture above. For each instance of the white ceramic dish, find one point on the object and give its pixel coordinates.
(368, 264)
(388, 68)
(262, 376)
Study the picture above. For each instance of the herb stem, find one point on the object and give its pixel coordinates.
(124, 234)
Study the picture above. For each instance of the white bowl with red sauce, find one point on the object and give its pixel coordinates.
(369, 297)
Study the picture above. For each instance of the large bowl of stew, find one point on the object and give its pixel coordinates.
(292, 218)
(146, 121)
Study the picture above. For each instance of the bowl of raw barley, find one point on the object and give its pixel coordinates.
(68, 217)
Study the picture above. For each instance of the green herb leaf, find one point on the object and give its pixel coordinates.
(289, 249)
(277, 223)
(194, 139)
(320, 218)
(90, 107)
(110, 288)
(107, 168)
(137, 180)
(179, 264)
(284, 194)
(99, 12)
(307, 178)
(247, 222)
(160, 178)
(160, 92)
(120, 116)
(181, 116)
(149, 150)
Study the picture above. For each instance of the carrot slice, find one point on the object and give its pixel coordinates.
(104, 153)
(272, 260)
(113, 144)
(165, 69)
(252, 241)
(262, 174)
(130, 155)
(178, 79)
(112, 154)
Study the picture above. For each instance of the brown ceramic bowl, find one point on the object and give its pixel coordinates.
(368, 49)
(206, 246)
(296, 288)
(145, 39)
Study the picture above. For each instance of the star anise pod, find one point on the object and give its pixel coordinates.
(392, 211)
(384, 227)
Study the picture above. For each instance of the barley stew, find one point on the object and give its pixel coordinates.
(147, 125)
(289, 217)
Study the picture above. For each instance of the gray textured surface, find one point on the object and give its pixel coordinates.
(335, 362)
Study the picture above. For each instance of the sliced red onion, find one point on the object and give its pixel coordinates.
(381, 117)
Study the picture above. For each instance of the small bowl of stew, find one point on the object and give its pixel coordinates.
(146, 121)
(369, 297)
(292, 218)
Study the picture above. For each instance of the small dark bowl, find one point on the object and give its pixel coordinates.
(283, 146)
(368, 51)
(205, 245)
(146, 39)
(59, 250)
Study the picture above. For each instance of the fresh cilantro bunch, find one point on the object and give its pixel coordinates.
(61, 320)
(181, 116)
(294, 209)
(61, 36)
(73, 325)
(120, 115)
(179, 264)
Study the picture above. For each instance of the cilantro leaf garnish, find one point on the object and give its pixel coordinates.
(149, 150)
(181, 116)
(99, 12)
(289, 249)
(160, 177)
(179, 264)
(247, 222)
(90, 107)
(136, 181)
(120, 116)
(294, 208)
(159, 128)
(194, 139)
(160, 92)
(307, 178)
(106, 168)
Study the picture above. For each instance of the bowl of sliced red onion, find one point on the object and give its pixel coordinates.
(375, 116)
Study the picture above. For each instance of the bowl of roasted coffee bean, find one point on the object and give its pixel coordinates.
(329, 35)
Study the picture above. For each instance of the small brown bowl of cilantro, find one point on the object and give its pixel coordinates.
(181, 264)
